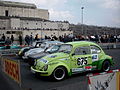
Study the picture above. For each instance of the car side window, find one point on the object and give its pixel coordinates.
(95, 49)
(82, 50)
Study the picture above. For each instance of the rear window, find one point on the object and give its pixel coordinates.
(95, 49)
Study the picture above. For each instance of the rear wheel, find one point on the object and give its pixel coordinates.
(59, 73)
(106, 66)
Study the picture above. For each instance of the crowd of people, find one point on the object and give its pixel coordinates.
(29, 39)
(95, 38)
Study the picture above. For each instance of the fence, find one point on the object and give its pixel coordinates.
(105, 81)
(11, 68)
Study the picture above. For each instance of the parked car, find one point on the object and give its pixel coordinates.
(50, 50)
(25, 49)
(43, 47)
(73, 58)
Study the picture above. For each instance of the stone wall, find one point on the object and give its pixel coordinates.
(24, 12)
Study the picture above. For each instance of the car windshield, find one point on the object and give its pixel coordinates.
(43, 45)
(66, 48)
(53, 48)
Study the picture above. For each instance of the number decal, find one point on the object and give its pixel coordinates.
(82, 61)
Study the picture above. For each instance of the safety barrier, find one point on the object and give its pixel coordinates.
(12, 51)
(16, 45)
(9, 51)
(104, 81)
(110, 45)
(11, 68)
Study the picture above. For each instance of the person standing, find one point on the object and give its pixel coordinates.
(20, 39)
(36, 37)
(3, 37)
(8, 43)
(12, 38)
(31, 39)
(27, 40)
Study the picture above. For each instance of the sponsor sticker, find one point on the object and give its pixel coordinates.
(77, 69)
(12, 69)
(94, 57)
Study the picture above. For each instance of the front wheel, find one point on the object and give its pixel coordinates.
(59, 73)
(106, 66)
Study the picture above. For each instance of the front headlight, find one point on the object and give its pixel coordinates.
(45, 67)
(20, 52)
(26, 54)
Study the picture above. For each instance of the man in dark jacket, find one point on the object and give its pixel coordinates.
(12, 38)
(8, 43)
(3, 37)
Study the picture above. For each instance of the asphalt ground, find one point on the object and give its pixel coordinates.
(4, 84)
(30, 82)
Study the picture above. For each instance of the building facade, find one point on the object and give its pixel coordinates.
(17, 18)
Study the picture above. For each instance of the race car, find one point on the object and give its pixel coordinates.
(72, 58)
(25, 49)
(40, 49)
(50, 50)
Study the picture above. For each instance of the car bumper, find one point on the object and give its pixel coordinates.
(37, 71)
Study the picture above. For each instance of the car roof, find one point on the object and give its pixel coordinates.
(79, 43)
(53, 42)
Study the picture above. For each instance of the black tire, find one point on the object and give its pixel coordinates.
(59, 74)
(106, 66)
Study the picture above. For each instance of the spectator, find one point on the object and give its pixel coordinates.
(20, 39)
(31, 39)
(12, 38)
(8, 43)
(36, 37)
(3, 37)
(61, 38)
(27, 40)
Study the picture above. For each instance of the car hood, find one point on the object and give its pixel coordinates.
(40, 63)
(34, 51)
(38, 55)
(27, 48)
(56, 56)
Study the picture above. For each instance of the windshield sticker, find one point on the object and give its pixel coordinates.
(94, 57)
(52, 56)
(82, 61)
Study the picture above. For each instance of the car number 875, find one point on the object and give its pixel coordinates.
(82, 61)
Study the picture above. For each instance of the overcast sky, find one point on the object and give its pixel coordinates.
(96, 12)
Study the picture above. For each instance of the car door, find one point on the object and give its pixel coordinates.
(81, 58)
(97, 54)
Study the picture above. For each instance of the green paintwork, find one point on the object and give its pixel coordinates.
(70, 61)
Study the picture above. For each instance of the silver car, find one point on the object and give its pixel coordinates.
(42, 48)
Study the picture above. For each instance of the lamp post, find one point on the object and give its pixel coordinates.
(82, 18)
(41, 31)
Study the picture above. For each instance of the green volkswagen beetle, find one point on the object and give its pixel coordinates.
(72, 58)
